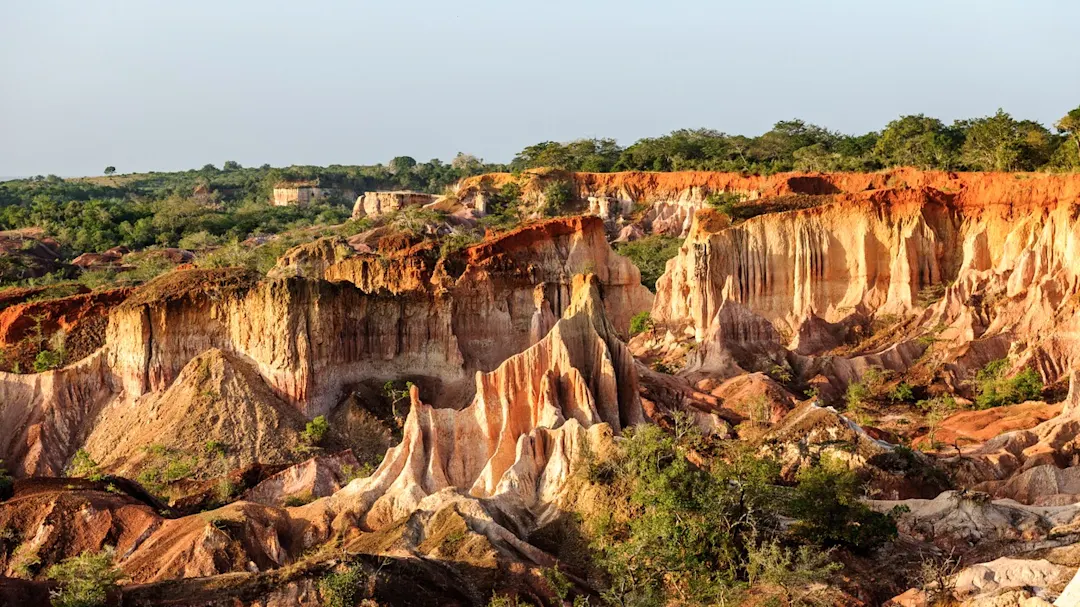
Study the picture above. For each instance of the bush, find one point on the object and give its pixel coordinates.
(830, 510)
(82, 465)
(557, 195)
(640, 323)
(902, 392)
(6, 481)
(725, 202)
(343, 588)
(860, 393)
(650, 255)
(85, 580)
(47, 360)
(995, 389)
(315, 431)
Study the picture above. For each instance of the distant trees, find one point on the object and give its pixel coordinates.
(231, 165)
(918, 141)
(1000, 143)
(109, 170)
(1068, 156)
(992, 143)
(402, 164)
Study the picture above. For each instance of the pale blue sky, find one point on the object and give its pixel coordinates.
(156, 85)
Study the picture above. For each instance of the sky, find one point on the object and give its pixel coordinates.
(147, 85)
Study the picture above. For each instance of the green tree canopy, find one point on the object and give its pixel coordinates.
(918, 141)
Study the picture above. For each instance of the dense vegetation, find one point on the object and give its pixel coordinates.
(205, 207)
(666, 523)
(992, 143)
(650, 255)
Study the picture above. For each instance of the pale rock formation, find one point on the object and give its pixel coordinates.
(501, 466)
(319, 476)
(366, 319)
(517, 441)
(373, 204)
(978, 262)
(1042, 577)
(44, 415)
(216, 397)
(962, 520)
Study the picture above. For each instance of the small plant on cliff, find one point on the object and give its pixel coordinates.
(47, 360)
(860, 393)
(727, 203)
(902, 392)
(215, 449)
(640, 323)
(995, 389)
(937, 409)
(315, 431)
(5, 481)
(84, 466)
(85, 580)
(396, 396)
(343, 588)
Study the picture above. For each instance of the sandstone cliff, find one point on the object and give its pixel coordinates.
(373, 204)
(368, 318)
(978, 261)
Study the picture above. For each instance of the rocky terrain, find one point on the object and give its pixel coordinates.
(433, 419)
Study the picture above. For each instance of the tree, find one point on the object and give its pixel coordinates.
(1000, 143)
(402, 164)
(315, 431)
(109, 170)
(231, 165)
(85, 580)
(467, 164)
(1070, 125)
(828, 503)
(1067, 155)
(918, 141)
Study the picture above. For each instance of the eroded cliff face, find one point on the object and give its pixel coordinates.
(981, 261)
(500, 466)
(331, 319)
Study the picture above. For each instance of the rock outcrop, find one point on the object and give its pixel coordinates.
(499, 467)
(373, 204)
(973, 261)
(369, 318)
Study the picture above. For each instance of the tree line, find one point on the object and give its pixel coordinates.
(991, 143)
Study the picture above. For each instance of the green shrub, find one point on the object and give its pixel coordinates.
(315, 431)
(994, 389)
(937, 409)
(6, 481)
(298, 500)
(85, 580)
(830, 511)
(84, 466)
(730, 204)
(650, 255)
(902, 392)
(47, 360)
(343, 588)
(557, 195)
(215, 448)
(640, 323)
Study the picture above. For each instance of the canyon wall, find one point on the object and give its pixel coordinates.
(409, 314)
(983, 262)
